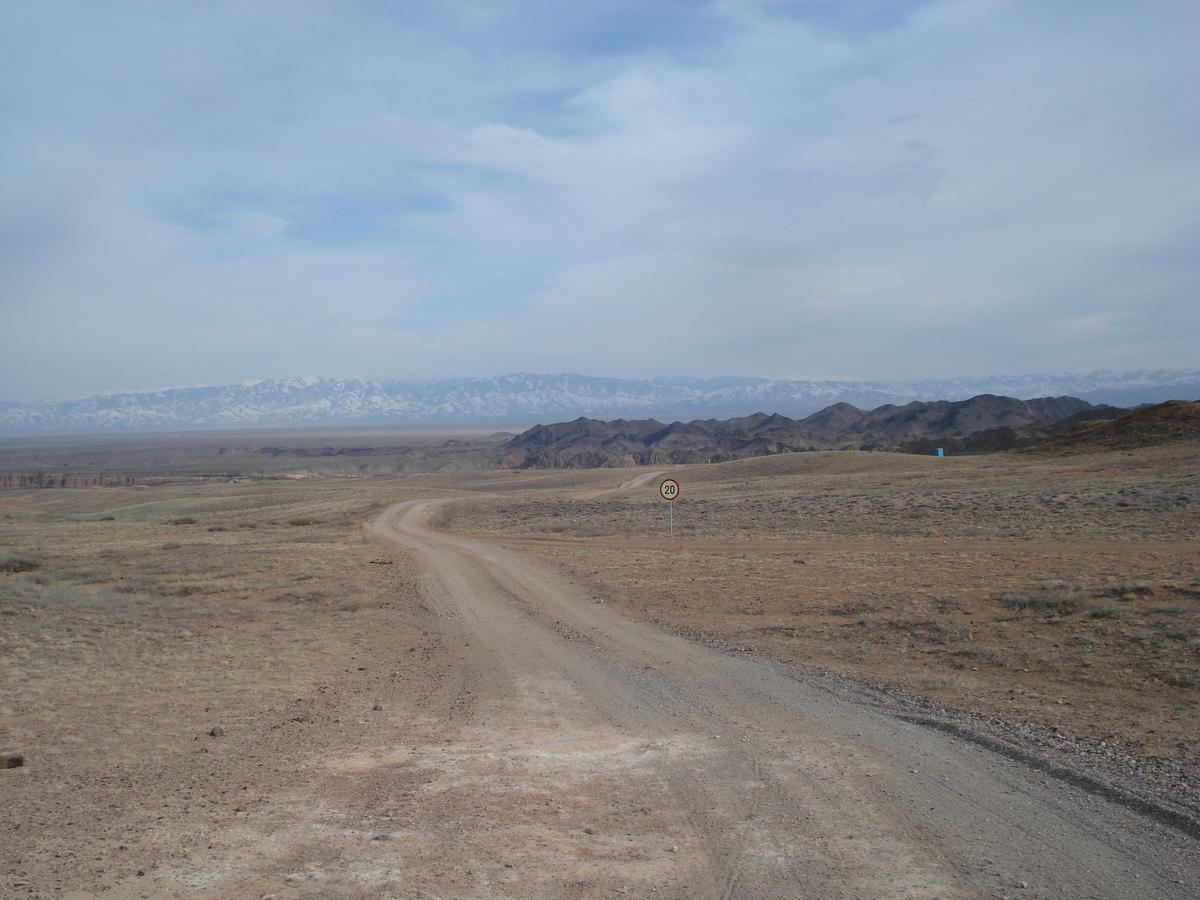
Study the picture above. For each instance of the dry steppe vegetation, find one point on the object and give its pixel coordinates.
(1063, 592)
(179, 662)
(192, 670)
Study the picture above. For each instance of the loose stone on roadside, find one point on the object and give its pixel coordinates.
(10, 759)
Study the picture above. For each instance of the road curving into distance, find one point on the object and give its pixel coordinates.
(767, 781)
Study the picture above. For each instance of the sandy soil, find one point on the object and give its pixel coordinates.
(1061, 592)
(194, 705)
(234, 691)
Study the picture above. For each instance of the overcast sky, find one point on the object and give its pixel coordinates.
(207, 192)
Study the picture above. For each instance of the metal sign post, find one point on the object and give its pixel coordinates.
(669, 490)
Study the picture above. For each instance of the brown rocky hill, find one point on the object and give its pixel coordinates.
(1162, 423)
(590, 443)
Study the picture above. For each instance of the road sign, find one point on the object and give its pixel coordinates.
(669, 490)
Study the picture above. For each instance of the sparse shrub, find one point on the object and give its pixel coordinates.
(1182, 680)
(15, 564)
(305, 597)
(592, 531)
(1107, 611)
(971, 651)
(86, 576)
(172, 545)
(1051, 598)
(1172, 609)
(1128, 590)
(218, 528)
(968, 531)
(851, 608)
(184, 520)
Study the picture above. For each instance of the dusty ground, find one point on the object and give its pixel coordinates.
(1060, 591)
(160, 614)
(353, 756)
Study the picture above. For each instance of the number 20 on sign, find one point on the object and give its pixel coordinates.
(669, 490)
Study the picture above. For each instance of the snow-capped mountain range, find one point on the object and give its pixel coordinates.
(542, 398)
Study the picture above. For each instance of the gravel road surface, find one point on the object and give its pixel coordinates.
(704, 772)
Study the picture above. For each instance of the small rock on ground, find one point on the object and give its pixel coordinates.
(10, 759)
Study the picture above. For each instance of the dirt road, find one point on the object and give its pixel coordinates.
(604, 755)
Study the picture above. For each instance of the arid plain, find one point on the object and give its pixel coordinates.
(1062, 590)
(235, 688)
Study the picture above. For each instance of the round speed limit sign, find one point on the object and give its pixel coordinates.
(669, 489)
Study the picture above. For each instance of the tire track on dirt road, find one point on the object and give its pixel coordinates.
(635, 482)
(766, 780)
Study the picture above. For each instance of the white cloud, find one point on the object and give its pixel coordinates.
(891, 189)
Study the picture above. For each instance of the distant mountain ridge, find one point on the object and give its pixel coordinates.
(530, 397)
(991, 421)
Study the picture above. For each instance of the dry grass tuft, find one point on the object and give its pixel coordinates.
(1051, 598)
(852, 608)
